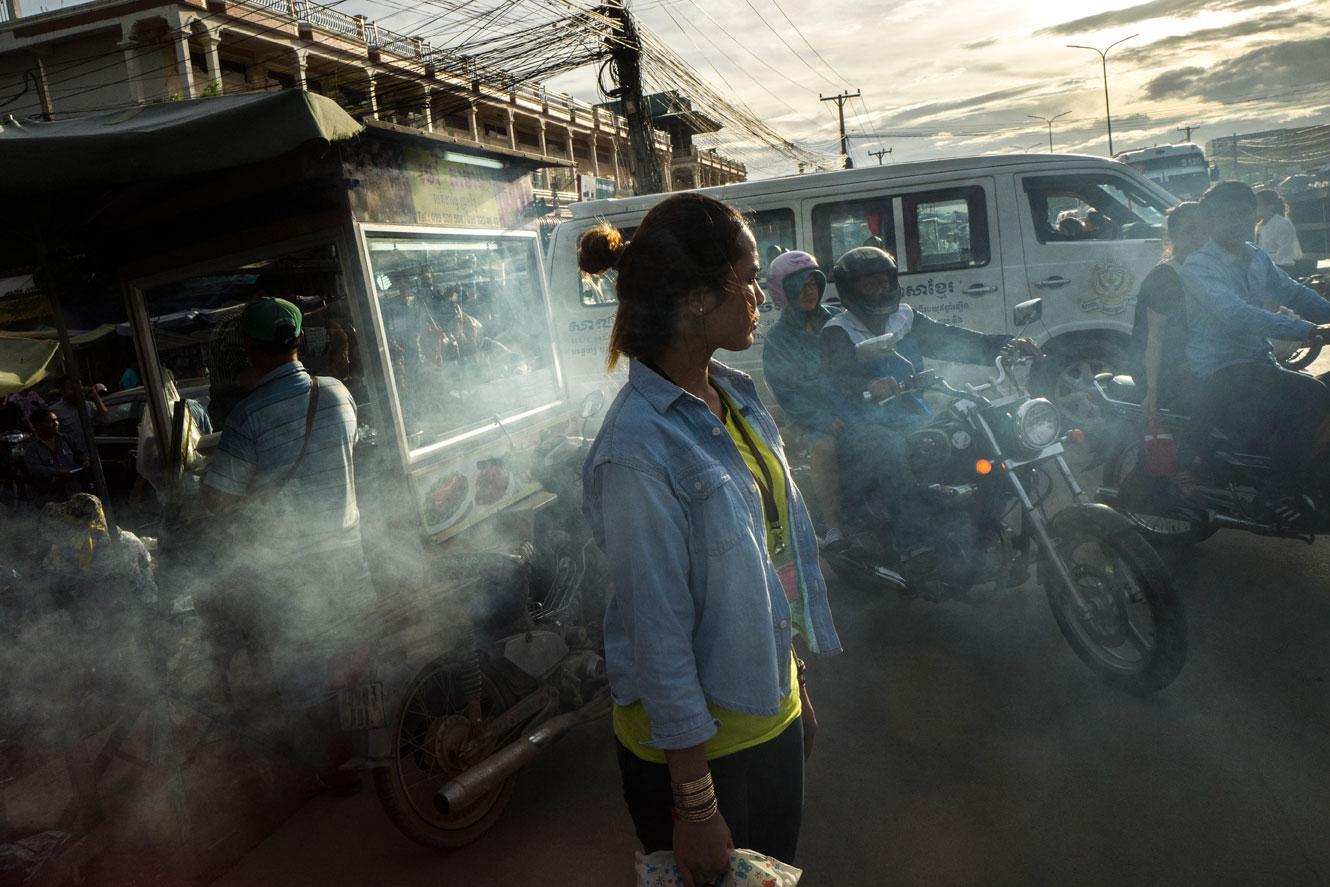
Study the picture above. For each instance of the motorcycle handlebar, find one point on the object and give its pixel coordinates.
(1305, 357)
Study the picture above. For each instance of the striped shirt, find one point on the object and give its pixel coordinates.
(315, 511)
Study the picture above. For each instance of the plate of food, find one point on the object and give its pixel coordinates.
(492, 483)
(447, 500)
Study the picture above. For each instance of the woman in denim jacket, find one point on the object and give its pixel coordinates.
(713, 560)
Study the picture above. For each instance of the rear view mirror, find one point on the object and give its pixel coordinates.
(876, 347)
(1027, 313)
(592, 404)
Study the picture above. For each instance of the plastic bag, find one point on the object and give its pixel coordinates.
(747, 869)
(1159, 450)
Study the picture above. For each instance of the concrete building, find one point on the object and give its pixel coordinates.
(673, 114)
(110, 54)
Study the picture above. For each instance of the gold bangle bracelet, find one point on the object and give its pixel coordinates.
(700, 799)
(686, 788)
(701, 815)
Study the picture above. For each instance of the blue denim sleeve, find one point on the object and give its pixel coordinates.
(645, 533)
(1213, 289)
(1304, 300)
(803, 399)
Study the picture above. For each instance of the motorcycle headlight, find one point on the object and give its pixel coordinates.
(1038, 423)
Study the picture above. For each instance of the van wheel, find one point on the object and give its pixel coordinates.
(1066, 377)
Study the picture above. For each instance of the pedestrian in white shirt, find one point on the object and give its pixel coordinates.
(1275, 234)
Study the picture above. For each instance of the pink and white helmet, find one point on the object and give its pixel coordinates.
(786, 265)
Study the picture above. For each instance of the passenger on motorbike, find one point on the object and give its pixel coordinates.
(1161, 316)
(1243, 390)
(791, 362)
(876, 414)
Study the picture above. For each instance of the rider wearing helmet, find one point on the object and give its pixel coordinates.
(873, 445)
(791, 363)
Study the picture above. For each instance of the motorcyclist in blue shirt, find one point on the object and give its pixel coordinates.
(1230, 287)
(874, 459)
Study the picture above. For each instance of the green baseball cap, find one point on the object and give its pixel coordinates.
(267, 319)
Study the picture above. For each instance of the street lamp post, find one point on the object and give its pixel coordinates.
(1103, 62)
(1049, 121)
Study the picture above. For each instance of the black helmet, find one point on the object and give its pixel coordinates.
(861, 262)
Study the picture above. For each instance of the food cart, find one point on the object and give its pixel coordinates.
(416, 261)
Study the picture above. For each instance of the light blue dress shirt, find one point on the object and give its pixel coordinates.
(1226, 322)
(697, 612)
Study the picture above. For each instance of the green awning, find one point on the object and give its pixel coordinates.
(23, 362)
(26, 357)
(165, 140)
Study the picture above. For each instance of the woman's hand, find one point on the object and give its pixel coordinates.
(702, 850)
(1151, 402)
(1026, 346)
(809, 718)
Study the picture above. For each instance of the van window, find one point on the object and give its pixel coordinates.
(467, 330)
(772, 228)
(946, 229)
(840, 227)
(1094, 206)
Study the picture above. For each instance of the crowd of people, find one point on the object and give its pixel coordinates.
(689, 473)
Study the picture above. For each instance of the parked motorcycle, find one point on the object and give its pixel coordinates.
(987, 451)
(1210, 485)
(525, 666)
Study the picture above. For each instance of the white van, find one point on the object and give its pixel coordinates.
(973, 237)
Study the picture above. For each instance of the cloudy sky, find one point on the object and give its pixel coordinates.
(947, 78)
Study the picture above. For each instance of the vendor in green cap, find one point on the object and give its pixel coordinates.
(283, 475)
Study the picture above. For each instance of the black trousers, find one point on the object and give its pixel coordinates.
(760, 791)
(1263, 406)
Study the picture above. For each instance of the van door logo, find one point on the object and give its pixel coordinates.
(1111, 283)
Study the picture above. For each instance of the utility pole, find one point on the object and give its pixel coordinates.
(1236, 177)
(1187, 128)
(1103, 62)
(626, 53)
(840, 99)
(1049, 121)
(879, 154)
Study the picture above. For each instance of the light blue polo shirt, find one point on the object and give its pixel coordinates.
(316, 510)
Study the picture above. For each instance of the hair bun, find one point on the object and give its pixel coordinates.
(598, 249)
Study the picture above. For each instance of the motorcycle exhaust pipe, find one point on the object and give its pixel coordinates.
(1229, 522)
(474, 783)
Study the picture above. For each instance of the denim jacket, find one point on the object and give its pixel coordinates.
(1226, 321)
(697, 612)
(792, 364)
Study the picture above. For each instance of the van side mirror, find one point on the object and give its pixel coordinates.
(1027, 313)
(876, 347)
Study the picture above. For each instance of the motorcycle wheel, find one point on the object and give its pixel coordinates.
(429, 748)
(1135, 637)
(1160, 530)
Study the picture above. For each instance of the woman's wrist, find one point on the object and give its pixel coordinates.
(695, 800)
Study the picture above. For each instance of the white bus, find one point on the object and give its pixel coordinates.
(1182, 170)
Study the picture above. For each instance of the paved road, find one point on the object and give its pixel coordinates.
(965, 746)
